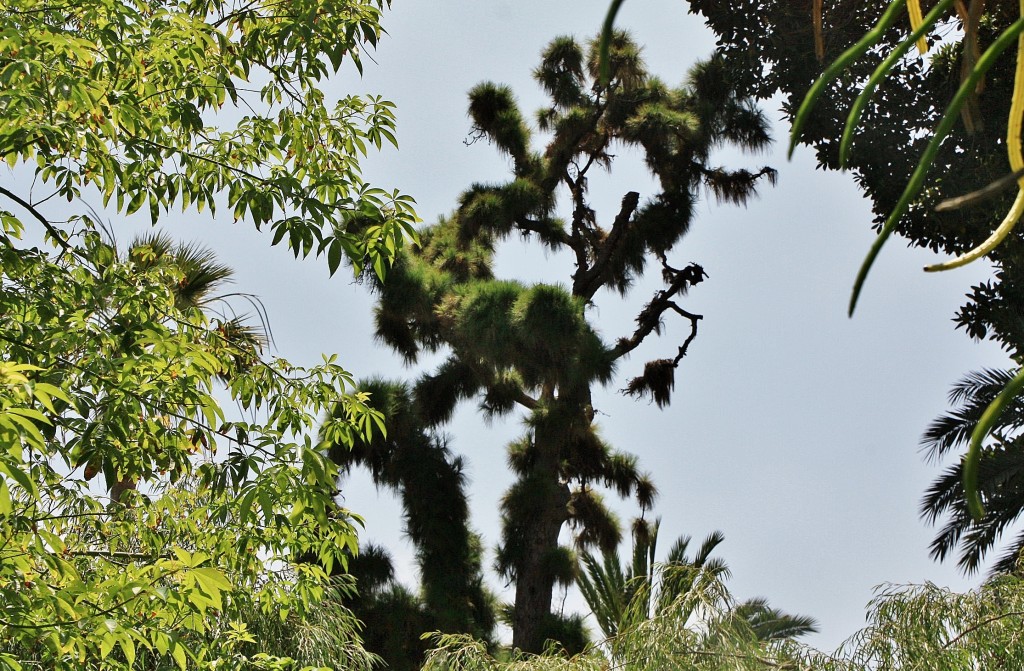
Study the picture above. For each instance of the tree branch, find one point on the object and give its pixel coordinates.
(118, 555)
(694, 318)
(987, 621)
(533, 226)
(578, 245)
(43, 220)
(587, 283)
(649, 318)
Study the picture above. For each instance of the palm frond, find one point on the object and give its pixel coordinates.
(603, 586)
(772, 624)
(1001, 486)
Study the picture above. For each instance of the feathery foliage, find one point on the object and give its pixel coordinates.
(1000, 476)
(622, 599)
(908, 627)
(417, 464)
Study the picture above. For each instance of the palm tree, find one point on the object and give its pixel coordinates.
(1000, 475)
(196, 280)
(200, 281)
(611, 591)
(625, 598)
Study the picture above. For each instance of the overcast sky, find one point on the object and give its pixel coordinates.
(794, 430)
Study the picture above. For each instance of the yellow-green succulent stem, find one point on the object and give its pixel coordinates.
(914, 9)
(1013, 151)
(981, 430)
(1009, 221)
(949, 118)
(892, 12)
(605, 42)
(1013, 389)
(881, 72)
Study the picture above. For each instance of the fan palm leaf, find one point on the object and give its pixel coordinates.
(622, 599)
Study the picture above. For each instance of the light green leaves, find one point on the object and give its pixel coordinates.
(112, 380)
(126, 101)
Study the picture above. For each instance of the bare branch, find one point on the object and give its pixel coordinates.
(43, 220)
(587, 282)
(984, 193)
(649, 318)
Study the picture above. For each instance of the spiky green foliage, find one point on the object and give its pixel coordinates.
(908, 627)
(417, 465)
(622, 598)
(697, 629)
(534, 347)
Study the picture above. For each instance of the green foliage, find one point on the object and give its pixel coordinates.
(419, 467)
(111, 364)
(105, 373)
(998, 475)
(623, 599)
(122, 97)
(908, 627)
(912, 156)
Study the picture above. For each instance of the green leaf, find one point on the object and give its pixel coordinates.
(212, 578)
(179, 654)
(136, 202)
(5, 499)
(107, 644)
(20, 477)
(128, 647)
(334, 256)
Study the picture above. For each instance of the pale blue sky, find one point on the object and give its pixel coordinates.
(793, 430)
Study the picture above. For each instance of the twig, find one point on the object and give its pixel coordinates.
(974, 197)
(981, 624)
(35, 213)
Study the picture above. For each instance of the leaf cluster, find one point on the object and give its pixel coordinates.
(131, 99)
(105, 372)
(115, 366)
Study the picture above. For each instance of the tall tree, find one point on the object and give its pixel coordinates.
(895, 129)
(533, 347)
(119, 102)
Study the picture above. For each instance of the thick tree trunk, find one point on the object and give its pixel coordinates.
(534, 577)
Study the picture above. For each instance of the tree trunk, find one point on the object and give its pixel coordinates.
(534, 577)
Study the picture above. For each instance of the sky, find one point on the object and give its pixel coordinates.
(794, 430)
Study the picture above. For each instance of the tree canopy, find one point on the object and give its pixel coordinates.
(112, 373)
(904, 120)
